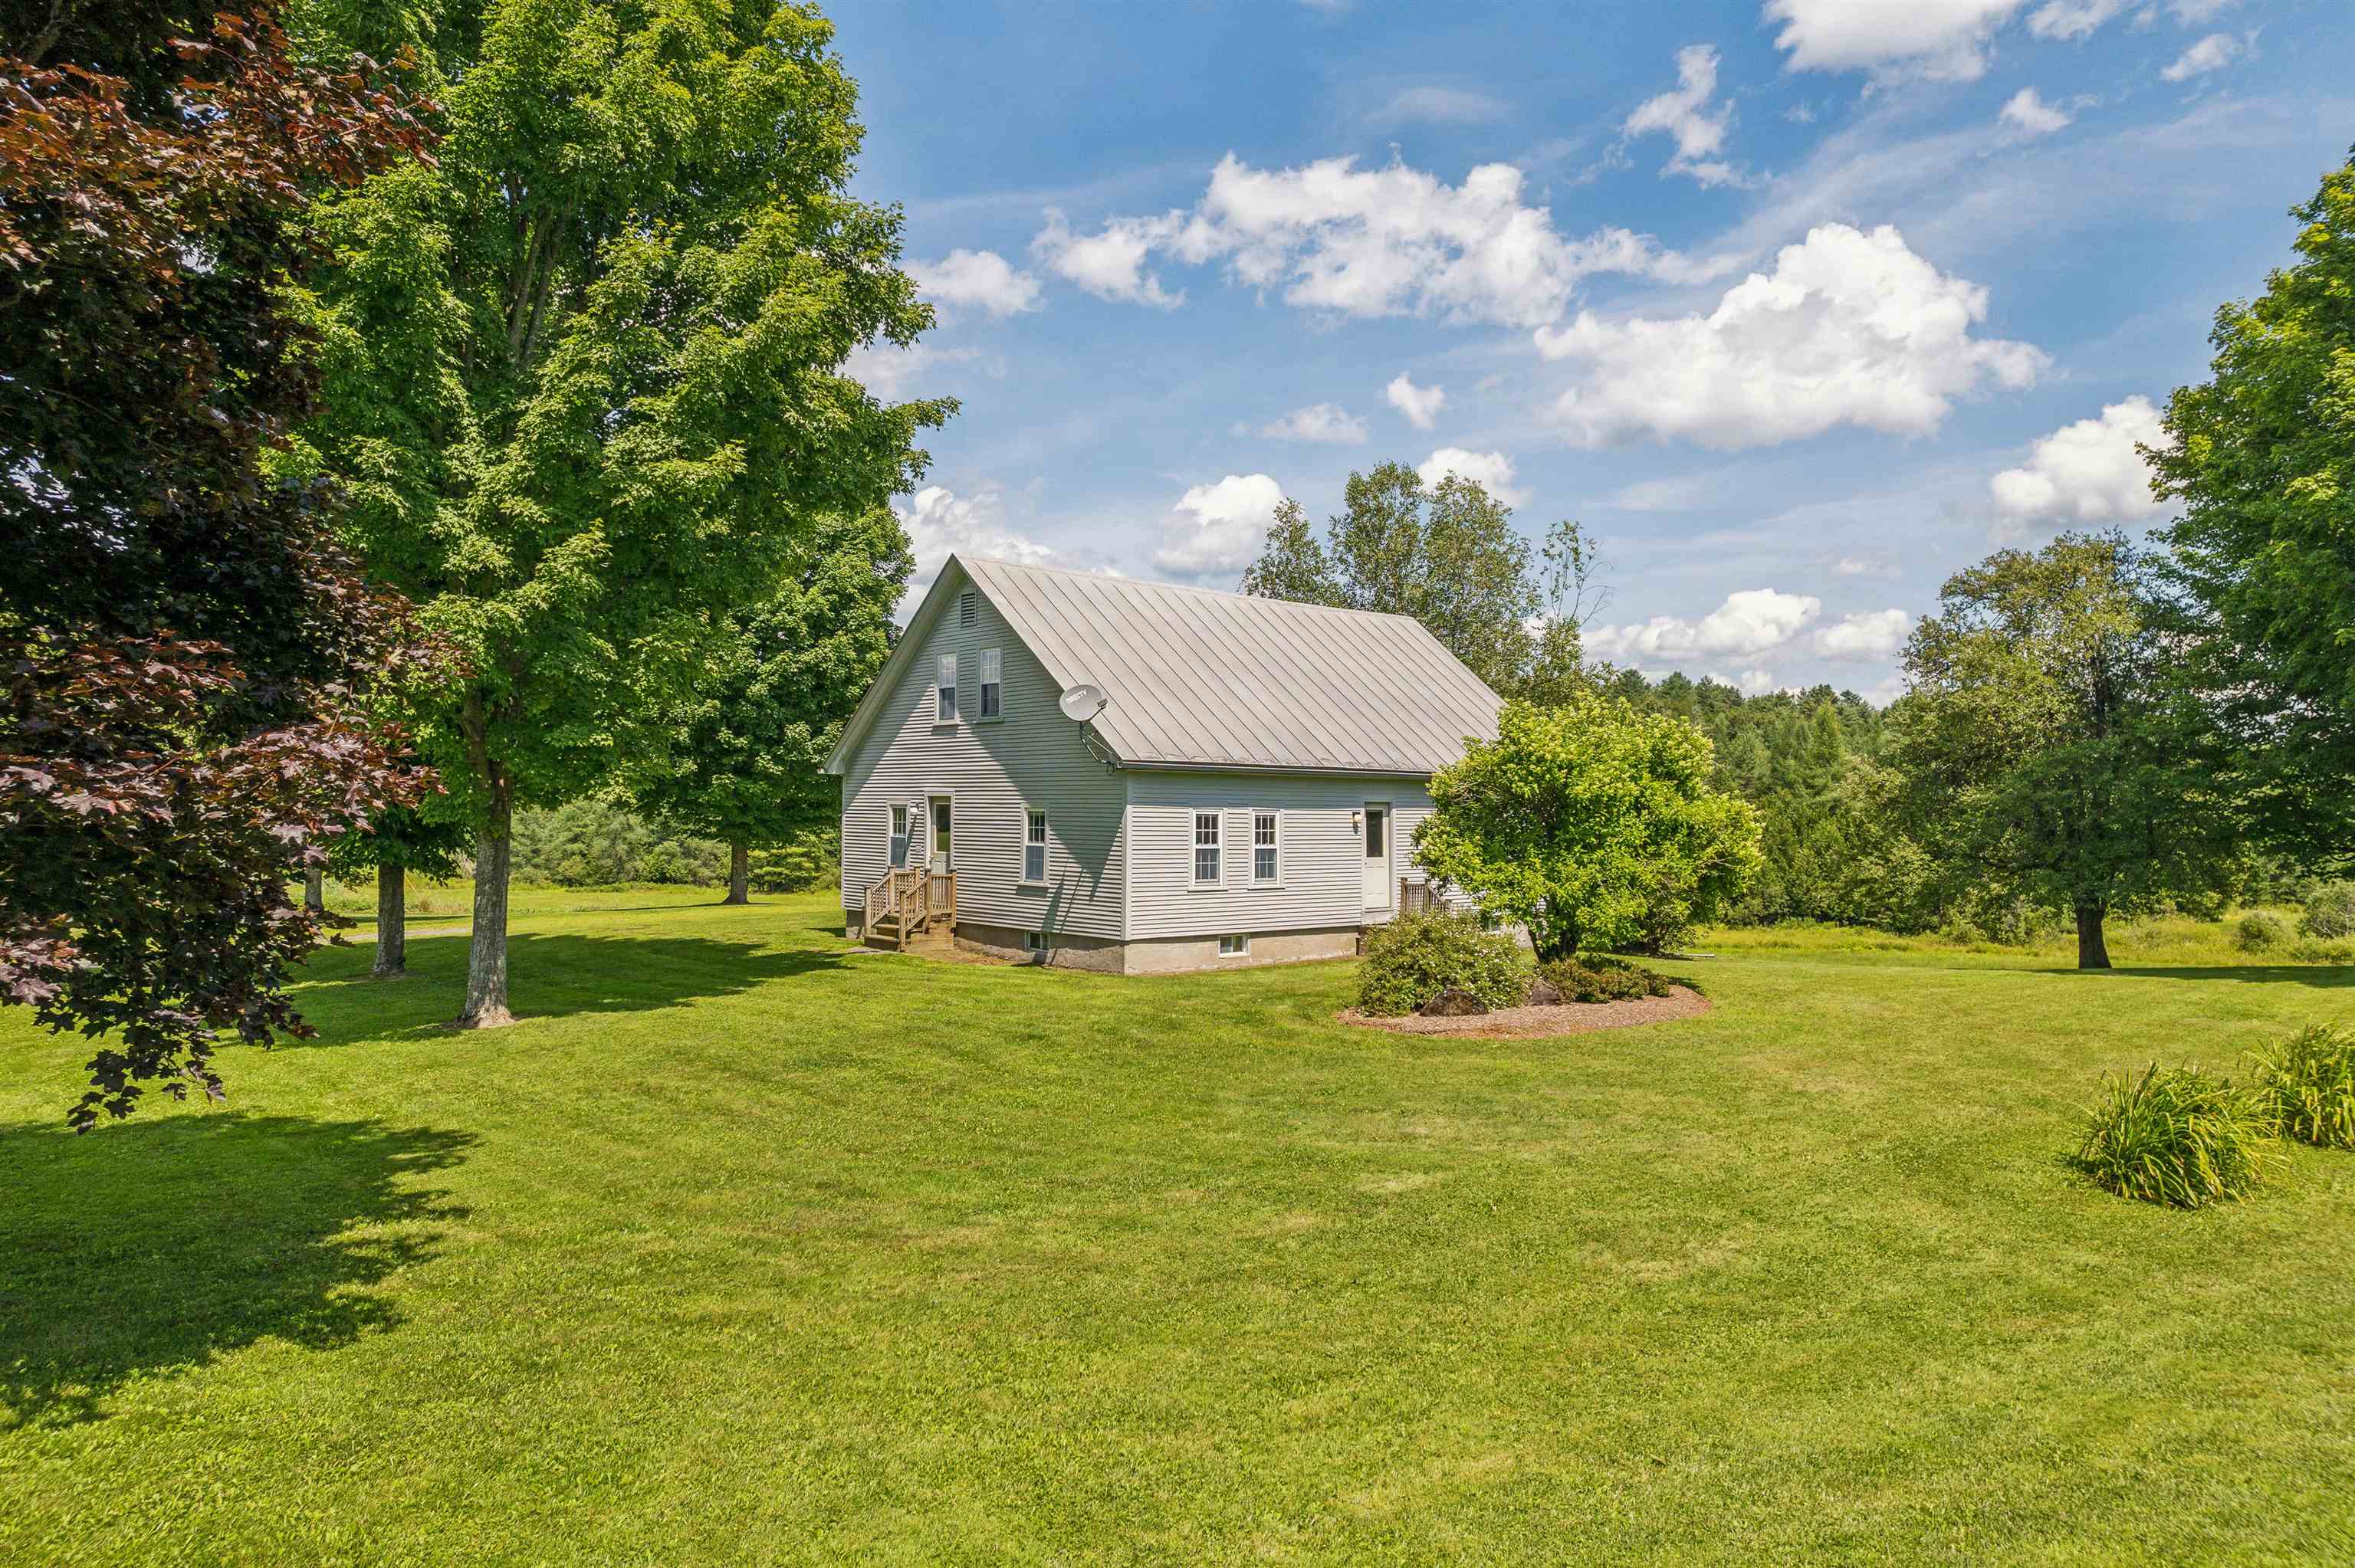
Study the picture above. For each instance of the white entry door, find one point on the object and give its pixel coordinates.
(1379, 881)
(944, 815)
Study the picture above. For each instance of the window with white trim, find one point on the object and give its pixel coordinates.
(1267, 865)
(1236, 946)
(1034, 941)
(1034, 845)
(1206, 849)
(898, 837)
(989, 683)
(944, 708)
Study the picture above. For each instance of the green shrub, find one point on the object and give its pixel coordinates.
(2180, 1136)
(2330, 911)
(2310, 1078)
(1416, 957)
(2260, 930)
(1596, 979)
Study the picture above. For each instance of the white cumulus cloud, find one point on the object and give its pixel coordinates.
(1111, 264)
(1850, 328)
(2030, 115)
(1686, 115)
(1217, 528)
(1421, 405)
(1942, 40)
(941, 522)
(1873, 634)
(2191, 13)
(980, 278)
(1493, 472)
(1329, 236)
(2213, 52)
(2085, 472)
(1328, 422)
(1749, 622)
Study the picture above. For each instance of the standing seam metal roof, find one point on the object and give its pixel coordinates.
(1199, 678)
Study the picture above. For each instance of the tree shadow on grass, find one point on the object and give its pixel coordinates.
(553, 976)
(158, 1244)
(2329, 977)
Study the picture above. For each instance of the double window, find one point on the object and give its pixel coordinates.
(898, 837)
(1206, 849)
(989, 683)
(944, 709)
(1034, 845)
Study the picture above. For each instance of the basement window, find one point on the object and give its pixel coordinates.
(1236, 947)
(1034, 941)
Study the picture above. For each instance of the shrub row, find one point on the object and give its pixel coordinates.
(2189, 1137)
(1595, 978)
(1415, 957)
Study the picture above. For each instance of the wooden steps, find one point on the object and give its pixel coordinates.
(937, 936)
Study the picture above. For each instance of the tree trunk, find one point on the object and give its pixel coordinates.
(391, 922)
(739, 875)
(2093, 952)
(487, 957)
(314, 891)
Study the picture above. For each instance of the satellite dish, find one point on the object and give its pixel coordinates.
(1081, 702)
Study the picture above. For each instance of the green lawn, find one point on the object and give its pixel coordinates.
(747, 1249)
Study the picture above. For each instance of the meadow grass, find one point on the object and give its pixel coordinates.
(746, 1247)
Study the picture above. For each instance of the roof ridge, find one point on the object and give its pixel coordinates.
(1178, 587)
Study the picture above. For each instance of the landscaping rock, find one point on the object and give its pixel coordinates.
(1454, 1002)
(1543, 992)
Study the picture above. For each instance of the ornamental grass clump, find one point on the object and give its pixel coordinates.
(2310, 1078)
(2180, 1136)
(1415, 957)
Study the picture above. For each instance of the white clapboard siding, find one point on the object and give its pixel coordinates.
(1030, 756)
(1322, 884)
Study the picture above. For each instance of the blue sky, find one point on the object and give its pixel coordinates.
(1799, 304)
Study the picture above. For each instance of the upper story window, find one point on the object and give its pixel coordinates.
(989, 682)
(1034, 845)
(898, 837)
(1205, 848)
(1265, 866)
(944, 708)
(968, 608)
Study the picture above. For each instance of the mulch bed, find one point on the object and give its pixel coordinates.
(1525, 1023)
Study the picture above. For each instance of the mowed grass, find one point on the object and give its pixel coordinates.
(745, 1247)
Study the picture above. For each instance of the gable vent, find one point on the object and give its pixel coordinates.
(967, 608)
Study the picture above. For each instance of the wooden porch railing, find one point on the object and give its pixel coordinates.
(912, 898)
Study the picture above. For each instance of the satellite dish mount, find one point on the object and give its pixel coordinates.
(1079, 703)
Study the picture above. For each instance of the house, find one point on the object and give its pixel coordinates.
(1241, 786)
